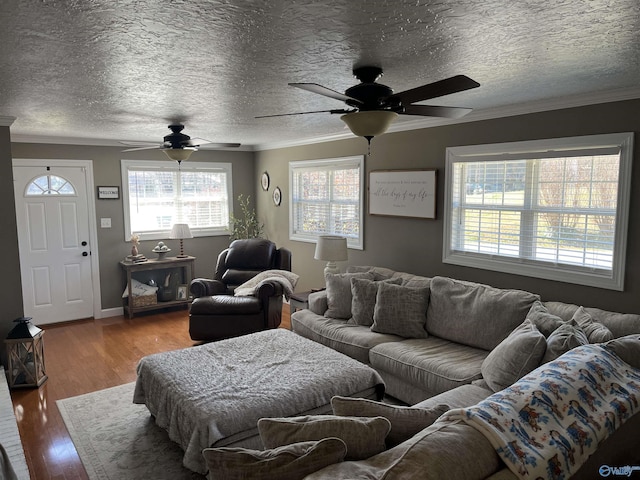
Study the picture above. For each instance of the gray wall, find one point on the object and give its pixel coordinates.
(415, 245)
(412, 245)
(112, 246)
(10, 283)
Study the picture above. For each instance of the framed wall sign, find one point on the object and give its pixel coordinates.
(109, 193)
(403, 193)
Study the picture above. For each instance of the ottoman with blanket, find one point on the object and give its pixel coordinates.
(214, 394)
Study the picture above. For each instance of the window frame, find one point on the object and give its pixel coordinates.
(126, 165)
(546, 148)
(325, 164)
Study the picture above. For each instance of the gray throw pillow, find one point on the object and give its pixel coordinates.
(290, 462)
(514, 357)
(339, 293)
(363, 292)
(363, 436)
(567, 336)
(401, 310)
(627, 348)
(544, 321)
(405, 421)
(596, 332)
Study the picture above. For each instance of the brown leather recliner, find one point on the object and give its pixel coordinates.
(216, 314)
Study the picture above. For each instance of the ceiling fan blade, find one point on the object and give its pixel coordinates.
(327, 92)
(137, 144)
(459, 83)
(435, 111)
(221, 145)
(304, 113)
(141, 148)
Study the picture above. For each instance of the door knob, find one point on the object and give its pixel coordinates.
(84, 254)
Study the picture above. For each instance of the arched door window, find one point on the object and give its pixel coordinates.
(49, 185)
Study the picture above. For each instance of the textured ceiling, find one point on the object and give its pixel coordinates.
(121, 70)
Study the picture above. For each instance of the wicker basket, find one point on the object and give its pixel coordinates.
(145, 300)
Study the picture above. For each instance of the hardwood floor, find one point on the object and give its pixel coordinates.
(82, 357)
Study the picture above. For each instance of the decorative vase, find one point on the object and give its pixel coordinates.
(134, 250)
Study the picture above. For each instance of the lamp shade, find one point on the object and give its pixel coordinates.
(331, 248)
(180, 230)
(369, 123)
(179, 154)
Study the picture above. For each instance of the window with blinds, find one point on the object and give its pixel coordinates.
(554, 209)
(158, 194)
(326, 197)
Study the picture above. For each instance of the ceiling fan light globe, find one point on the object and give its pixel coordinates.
(178, 154)
(371, 123)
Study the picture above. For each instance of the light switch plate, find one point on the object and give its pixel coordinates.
(105, 223)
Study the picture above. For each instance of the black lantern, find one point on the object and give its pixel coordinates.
(25, 349)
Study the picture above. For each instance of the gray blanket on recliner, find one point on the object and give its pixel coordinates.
(288, 280)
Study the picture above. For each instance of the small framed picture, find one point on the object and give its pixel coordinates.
(108, 193)
(264, 181)
(277, 196)
(181, 294)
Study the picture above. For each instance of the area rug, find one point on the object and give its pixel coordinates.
(118, 440)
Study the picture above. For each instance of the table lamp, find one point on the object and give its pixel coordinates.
(332, 249)
(180, 231)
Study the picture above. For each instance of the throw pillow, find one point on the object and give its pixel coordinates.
(290, 462)
(627, 348)
(401, 310)
(544, 321)
(405, 421)
(596, 332)
(363, 293)
(364, 437)
(567, 336)
(339, 293)
(514, 357)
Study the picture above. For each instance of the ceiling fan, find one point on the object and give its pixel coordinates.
(177, 146)
(373, 106)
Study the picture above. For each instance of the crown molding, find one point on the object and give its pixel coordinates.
(6, 121)
(558, 103)
(537, 106)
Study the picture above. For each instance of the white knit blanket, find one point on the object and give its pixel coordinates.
(287, 279)
(549, 422)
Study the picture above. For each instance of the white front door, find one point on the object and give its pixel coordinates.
(53, 237)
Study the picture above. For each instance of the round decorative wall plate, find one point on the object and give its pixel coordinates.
(277, 196)
(264, 181)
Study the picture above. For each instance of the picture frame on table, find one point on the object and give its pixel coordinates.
(181, 292)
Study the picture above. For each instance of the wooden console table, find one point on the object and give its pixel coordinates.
(181, 270)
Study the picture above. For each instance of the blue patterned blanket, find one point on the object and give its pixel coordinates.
(548, 423)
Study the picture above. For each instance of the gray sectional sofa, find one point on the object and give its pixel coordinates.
(473, 341)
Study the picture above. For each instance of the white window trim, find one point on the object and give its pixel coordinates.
(356, 244)
(125, 165)
(550, 147)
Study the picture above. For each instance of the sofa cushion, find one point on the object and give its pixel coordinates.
(440, 451)
(567, 336)
(459, 397)
(544, 320)
(432, 364)
(339, 293)
(620, 324)
(514, 357)
(627, 348)
(405, 421)
(474, 314)
(290, 462)
(595, 331)
(401, 310)
(352, 340)
(363, 303)
(363, 436)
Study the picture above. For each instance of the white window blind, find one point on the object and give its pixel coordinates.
(326, 197)
(158, 194)
(553, 209)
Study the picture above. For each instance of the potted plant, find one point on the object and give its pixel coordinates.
(247, 224)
